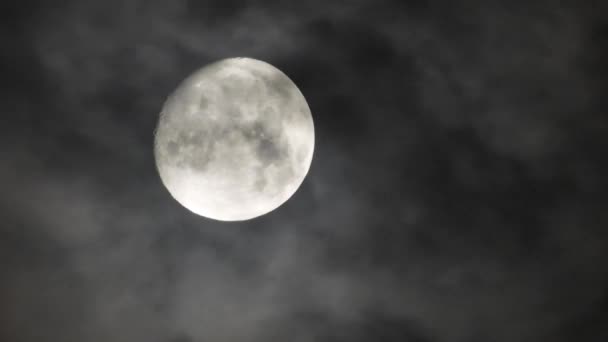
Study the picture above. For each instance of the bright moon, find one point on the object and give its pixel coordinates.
(235, 140)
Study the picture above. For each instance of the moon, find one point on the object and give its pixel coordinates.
(235, 140)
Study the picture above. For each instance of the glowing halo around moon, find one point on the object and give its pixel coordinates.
(235, 140)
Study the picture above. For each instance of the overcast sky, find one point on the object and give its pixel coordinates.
(457, 192)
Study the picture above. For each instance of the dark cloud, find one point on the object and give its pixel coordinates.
(457, 191)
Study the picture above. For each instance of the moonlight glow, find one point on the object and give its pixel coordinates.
(235, 140)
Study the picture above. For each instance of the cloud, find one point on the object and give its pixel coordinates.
(455, 193)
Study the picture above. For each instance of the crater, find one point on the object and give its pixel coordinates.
(268, 143)
(269, 151)
(191, 150)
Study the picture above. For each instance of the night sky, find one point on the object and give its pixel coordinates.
(457, 193)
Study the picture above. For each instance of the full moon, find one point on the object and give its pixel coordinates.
(235, 140)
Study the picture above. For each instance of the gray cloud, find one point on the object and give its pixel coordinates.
(456, 192)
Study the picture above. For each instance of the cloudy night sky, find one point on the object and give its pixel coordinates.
(457, 192)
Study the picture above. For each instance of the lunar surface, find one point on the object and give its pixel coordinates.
(235, 140)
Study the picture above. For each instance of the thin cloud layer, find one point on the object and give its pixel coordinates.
(456, 192)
